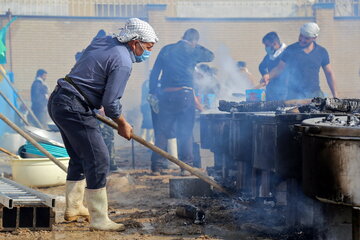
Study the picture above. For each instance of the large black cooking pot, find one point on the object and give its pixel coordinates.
(288, 144)
(264, 141)
(240, 143)
(214, 131)
(241, 147)
(331, 161)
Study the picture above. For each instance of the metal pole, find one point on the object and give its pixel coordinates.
(355, 224)
(33, 142)
(171, 158)
(9, 153)
(8, 14)
(13, 107)
(2, 70)
(133, 153)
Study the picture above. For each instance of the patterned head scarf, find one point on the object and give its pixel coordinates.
(136, 29)
(310, 29)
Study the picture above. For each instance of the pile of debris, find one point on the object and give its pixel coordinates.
(350, 121)
(331, 105)
(315, 105)
(264, 106)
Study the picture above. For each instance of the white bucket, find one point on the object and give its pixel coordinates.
(38, 172)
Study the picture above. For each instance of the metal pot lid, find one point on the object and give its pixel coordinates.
(41, 135)
(339, 126)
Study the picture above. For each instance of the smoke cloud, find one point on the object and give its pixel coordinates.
(231, 80)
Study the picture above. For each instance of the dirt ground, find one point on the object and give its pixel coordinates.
(141, 202)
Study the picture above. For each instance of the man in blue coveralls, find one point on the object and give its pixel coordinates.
(98, 79)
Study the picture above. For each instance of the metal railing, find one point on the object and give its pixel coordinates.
(79, 8)
(347, 8)
(244, 8)
(176, 8)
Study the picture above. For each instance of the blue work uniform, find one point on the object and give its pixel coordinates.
(277, 87)
(39, 92)
(176, 63)
(304, 70)
(145, 107)
(101, 74)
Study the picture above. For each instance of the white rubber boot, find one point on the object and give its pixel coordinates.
(74, 201)
(143, 133)
(98, 207)
(173, 151)
(150, 135)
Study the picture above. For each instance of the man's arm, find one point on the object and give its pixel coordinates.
(203, 54)
(124, 128)
(114, 89)
(251, 77)
(275, 72)
(263, 69)
(155, 73)
(330, 78)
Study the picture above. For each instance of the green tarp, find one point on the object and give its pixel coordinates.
(3, 41)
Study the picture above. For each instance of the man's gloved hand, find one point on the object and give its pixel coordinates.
(154, 102)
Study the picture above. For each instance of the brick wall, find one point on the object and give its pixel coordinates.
(51, 43)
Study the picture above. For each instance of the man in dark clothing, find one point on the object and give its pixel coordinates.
(303, 60)
(277, 88)
(39, 96)
(98, 79)
(176, 63)
(107, 132)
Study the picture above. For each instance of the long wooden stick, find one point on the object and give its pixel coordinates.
(171, 158)
(260, 85)
(33, 142)
(3, 72)
(9, 153)
(14, 108)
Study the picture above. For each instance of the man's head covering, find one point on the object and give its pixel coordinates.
(136, 29)
(310, 29)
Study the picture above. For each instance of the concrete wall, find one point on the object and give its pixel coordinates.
(50, 43)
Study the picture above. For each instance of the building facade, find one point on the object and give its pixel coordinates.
(50, 36)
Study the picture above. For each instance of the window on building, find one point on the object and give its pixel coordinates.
(356, 7)
(120, 10)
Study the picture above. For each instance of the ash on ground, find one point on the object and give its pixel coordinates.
(317, 105)
(141, 202)
(348, 121)
(331, 105)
